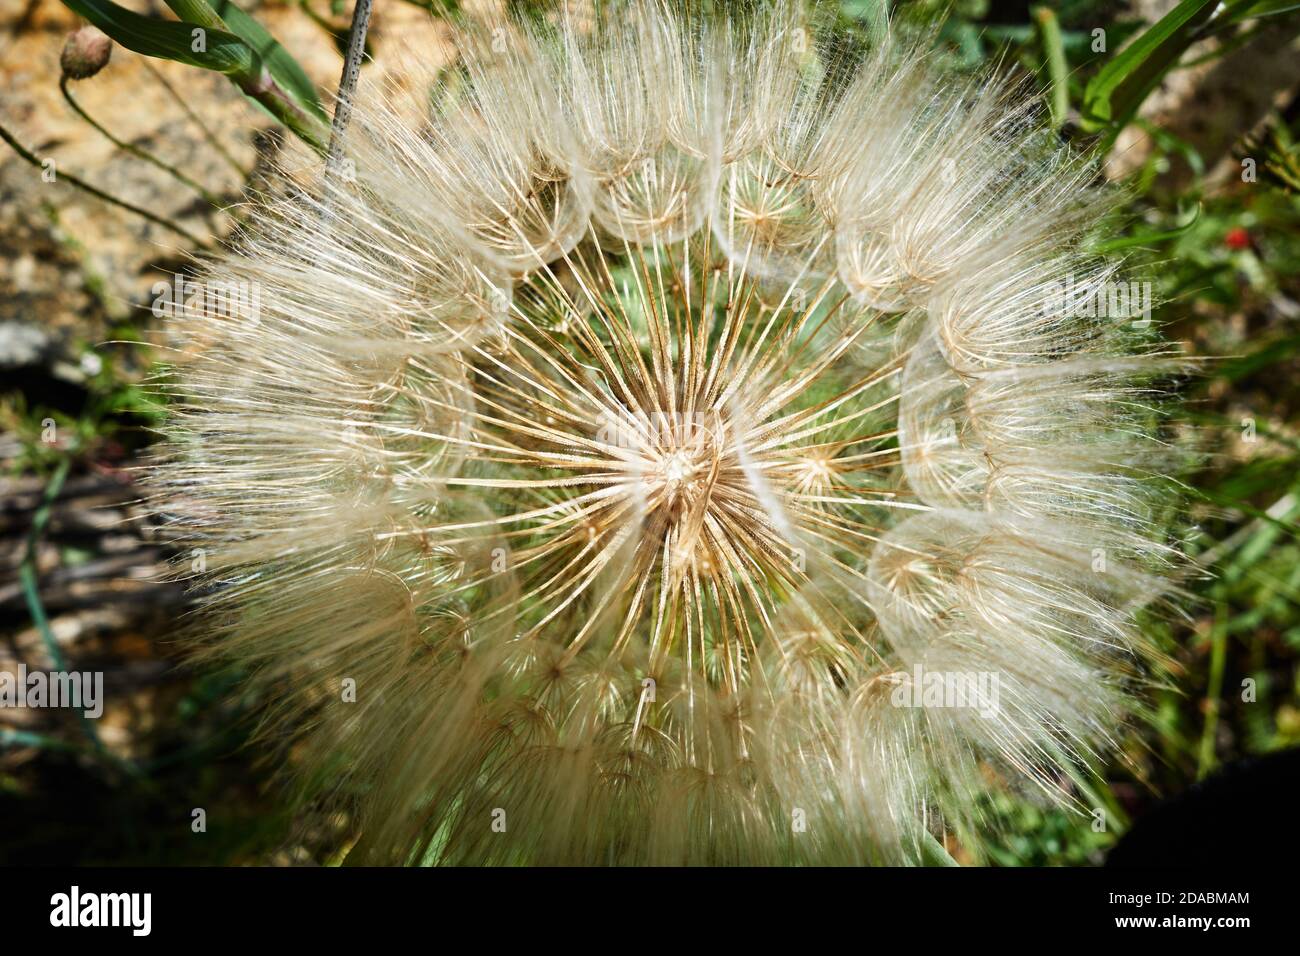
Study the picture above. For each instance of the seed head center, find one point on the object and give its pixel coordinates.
(684, 468)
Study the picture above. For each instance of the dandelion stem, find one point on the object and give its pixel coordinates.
(348, 82)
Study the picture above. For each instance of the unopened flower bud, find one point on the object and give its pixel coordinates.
(85, 53)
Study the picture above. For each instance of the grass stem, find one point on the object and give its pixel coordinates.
(98, 193)
(137, 151)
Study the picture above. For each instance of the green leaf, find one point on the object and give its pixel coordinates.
(223, 52)
(1113, 96)
(279, 61)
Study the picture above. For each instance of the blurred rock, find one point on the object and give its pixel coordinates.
(22, 344)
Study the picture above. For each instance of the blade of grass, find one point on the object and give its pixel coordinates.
(1049, 34)
(934, 853)
(1113, 96)
(28, 579)
(1218, 654)
(1129, 242)
(31, 589)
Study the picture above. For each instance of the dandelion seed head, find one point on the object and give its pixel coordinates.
(636, 420)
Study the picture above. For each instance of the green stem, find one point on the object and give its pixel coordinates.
(210, 136)
(27, 577)
(100, 194)
(1049, 30)
(1213, 693)
(934, 853)
(270, 94)
(262, 87)
(136, 151)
